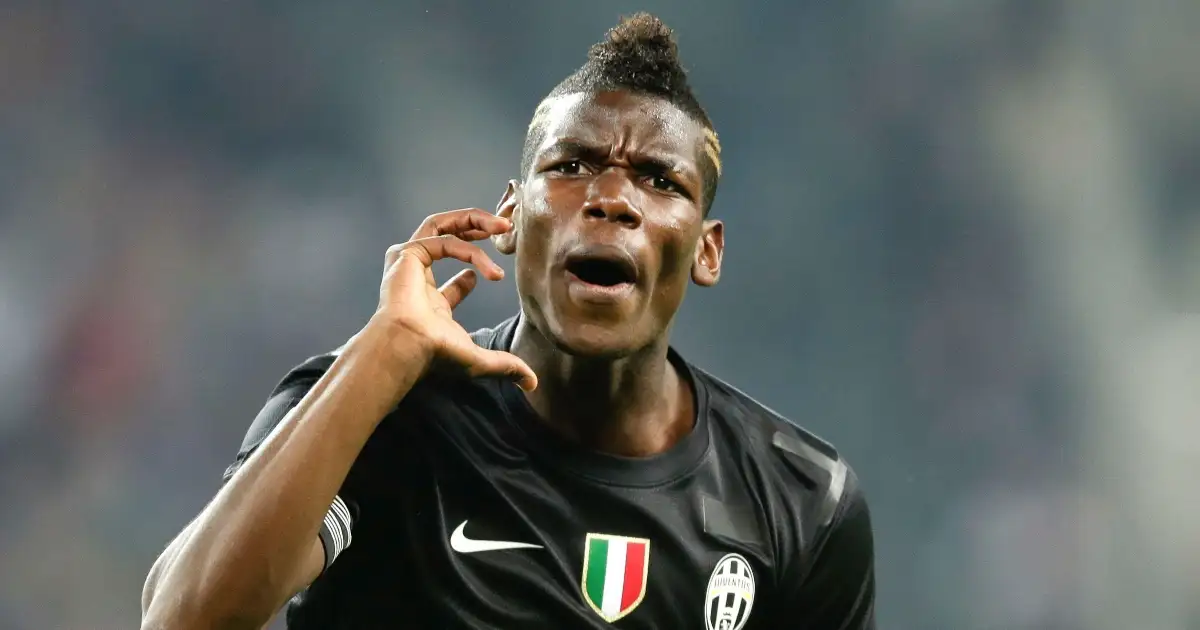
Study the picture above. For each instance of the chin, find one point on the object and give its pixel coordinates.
(606, 339)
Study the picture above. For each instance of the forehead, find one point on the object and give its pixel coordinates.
(637, 121)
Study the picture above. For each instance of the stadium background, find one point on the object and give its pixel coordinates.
(964, 245)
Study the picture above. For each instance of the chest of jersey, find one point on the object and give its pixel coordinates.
(473, 532)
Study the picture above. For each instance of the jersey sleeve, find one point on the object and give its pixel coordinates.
(838, 588)
(338, 524)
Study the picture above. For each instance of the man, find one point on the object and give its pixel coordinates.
(566, 469)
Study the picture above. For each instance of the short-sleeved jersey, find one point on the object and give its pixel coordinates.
(470, 512)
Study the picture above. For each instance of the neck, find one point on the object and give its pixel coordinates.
(634, 406)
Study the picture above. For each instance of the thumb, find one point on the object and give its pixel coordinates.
(498, 363)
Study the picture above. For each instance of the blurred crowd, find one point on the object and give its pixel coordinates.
(968, 236)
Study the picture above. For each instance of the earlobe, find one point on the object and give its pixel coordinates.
(706, 267)
(509, 208)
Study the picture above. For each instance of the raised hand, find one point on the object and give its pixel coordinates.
(411, 302)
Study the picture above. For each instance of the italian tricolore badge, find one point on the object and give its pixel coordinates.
(614, 574)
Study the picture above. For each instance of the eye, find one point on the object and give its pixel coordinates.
(662, 183)
(570, 167)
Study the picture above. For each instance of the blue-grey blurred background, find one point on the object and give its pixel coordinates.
(963, 245)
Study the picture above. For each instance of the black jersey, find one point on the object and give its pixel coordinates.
(464, 510)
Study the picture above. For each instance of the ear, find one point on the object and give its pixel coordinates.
(508, 208)
(706, 268)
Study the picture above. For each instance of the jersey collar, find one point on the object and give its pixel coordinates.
(604, 468)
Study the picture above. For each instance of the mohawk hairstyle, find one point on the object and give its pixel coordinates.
(638, 55)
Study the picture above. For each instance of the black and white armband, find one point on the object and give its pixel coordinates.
(335, 530)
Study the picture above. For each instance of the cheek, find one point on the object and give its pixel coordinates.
(534, 233)
(675, 274)
(545, 210)
(544, 196)
(678, 247)
(676, 258)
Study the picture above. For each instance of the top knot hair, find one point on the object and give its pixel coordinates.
(638, 55)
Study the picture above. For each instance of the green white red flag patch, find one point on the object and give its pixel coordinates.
(614, 574)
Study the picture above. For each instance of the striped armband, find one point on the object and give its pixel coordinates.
(335, 530)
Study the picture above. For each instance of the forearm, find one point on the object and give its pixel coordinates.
(239, 561)
(164, 560)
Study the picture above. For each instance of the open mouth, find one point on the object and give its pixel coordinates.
(602, 271)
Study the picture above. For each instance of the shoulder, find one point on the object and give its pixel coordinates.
(301, 377)
(496, 337)
(295, 384)
(800, 465)
(286, 394)
(811, 494)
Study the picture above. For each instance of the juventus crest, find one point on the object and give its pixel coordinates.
(730, 594)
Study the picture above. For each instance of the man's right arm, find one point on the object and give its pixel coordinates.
(257, 542)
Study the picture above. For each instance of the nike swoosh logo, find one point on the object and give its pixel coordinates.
(460, 543)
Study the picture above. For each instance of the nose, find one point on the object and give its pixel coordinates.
(608, 200)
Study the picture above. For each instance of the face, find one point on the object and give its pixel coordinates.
(609, 226)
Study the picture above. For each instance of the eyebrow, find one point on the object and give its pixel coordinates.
(590, 152)
(574, 148)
